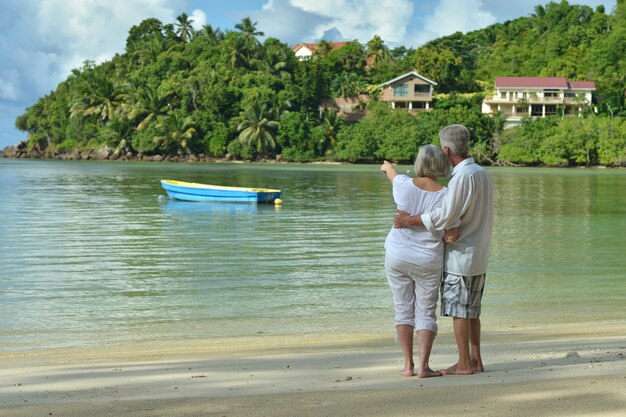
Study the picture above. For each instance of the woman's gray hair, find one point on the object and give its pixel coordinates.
(455, 137)
(431, 162)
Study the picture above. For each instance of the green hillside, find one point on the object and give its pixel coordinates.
(182, 94)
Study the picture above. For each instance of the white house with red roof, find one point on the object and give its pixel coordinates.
(517, 97)
(305, 51)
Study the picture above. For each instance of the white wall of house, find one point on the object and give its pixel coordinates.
(304, 53)
(537, 102)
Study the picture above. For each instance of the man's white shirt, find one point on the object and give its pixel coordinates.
(470, 200)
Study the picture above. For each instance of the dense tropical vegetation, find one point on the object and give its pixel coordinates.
(179, 93)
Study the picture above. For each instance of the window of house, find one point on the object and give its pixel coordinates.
(536, 110)
(401, 90)
(550, 93)
(550, 110)
(503, 95)
(521, 110)
(419, 105)
(421, 88)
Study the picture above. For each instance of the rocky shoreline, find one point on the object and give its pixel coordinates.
(21, 151)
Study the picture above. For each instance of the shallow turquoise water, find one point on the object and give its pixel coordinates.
(94, 253)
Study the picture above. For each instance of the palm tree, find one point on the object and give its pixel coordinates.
(246, 41)
(214, 36)
(347, 84)
(256, 131)
(96, 94)
(236, 49)
(323, 48)
(275, 62)
(331, 123)
(117, 132)
(185, 30)
(149, 51)
(176, 133)
(248, 28)
(147, 104)
(377, 50)
(539, 11)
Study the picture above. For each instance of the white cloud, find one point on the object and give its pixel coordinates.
(49, 38)
(452, 16)
(290, 24)
(41, 41)
(294, 21)
(93, 29)
(198, 18)
(363, 19)
(8, 85)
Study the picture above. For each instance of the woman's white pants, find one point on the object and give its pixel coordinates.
(415, 290)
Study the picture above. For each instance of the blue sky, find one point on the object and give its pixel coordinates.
(41, 41)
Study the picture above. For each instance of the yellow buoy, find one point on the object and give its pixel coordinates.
(278, 202)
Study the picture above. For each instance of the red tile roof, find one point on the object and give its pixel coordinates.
(583, 84)
(313, 46)
(543, 82)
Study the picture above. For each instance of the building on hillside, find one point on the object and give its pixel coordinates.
(517, 97)
(305, 51)
(350, 109)
(410, 91)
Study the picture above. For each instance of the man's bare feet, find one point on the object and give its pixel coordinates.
(477, 366)
(408, 372)
(455, 370)
(428, 373)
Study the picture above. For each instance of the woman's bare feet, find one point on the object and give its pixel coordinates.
(407, 372)
(428, 373)
(455, 370)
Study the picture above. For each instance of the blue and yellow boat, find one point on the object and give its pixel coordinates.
(192, 191)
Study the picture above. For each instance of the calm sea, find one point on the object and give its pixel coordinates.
(94, 253)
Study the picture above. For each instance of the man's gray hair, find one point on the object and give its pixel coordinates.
(431, 162)
(455, 137)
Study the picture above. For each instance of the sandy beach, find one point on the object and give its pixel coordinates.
(562, 371)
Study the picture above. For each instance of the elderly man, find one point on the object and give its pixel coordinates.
(470, 199)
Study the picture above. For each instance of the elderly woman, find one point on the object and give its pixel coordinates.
(414, 257)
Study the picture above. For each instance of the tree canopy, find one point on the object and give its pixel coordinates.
(176, 91)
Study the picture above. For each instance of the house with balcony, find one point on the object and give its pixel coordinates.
(517, 97)
(410, 91)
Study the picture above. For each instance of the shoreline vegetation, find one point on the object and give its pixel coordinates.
(21, 151)
(180, 94)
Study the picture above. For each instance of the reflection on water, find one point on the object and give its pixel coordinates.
(194, 207)
(557, 244)
(95, 253)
